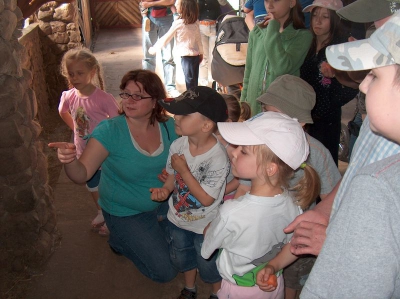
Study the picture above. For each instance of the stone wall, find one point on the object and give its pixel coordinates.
(28, 232)
(58, 23)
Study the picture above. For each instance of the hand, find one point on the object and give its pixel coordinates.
(178, 162)
(262, 279)
(309, 233)
(267, 19)
(163, 175)
(352, 39)
(152, 51)
(201, 58)
(146, 4)
(327, 70)
(159, 194)
(66, 152)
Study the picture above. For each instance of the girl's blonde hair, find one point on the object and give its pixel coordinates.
(237, 111)
(83, 55)
(307, 189)
(189, 11)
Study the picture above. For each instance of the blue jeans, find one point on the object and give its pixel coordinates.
(185, 254)
(142, 239)
(158, 27)
(190, 66)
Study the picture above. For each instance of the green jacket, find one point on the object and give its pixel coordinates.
(272, 54)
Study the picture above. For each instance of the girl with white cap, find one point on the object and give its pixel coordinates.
(249, 230)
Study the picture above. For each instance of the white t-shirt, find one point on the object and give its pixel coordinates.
(249, 231)
(210, 170)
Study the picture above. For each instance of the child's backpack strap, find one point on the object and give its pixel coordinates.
(166, 129)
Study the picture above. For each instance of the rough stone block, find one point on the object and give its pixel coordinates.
(23, 201)
(58, 26)
(59, 37)
(1, 5)
(45, 27)
(8, 23)
(10, 4)
(46, 15)
(14, 160)
(8, 63)
(74, 36)
(10, 95)
(65, 13)
(20, 178)
(11, 136)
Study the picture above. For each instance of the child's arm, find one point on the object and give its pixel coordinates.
(178, 163)
(280, 261)
(161, 194)
(165, 39)
(67, 118)
(232, 186)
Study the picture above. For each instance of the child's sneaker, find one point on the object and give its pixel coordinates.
(187, 294)
(213, 296)
(98, 220)
(146, 21)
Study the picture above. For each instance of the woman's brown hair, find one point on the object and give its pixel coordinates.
(189, 11)
(153, 86)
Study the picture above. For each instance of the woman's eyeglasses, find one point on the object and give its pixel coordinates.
(135, 97)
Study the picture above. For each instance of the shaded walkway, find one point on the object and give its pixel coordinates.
(84, 266)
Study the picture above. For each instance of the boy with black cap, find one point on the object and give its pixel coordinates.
(197, 166)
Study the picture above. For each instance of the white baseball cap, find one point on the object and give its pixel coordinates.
(283, 135)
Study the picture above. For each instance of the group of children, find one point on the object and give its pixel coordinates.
(278, 169)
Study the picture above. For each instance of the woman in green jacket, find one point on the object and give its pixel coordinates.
(276, 47)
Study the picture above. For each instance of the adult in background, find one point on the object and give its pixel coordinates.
(160, 15)
(209, 11)
(132, 150)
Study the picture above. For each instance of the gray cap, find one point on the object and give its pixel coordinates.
(364, 11)
(292, 96)
(381, 49)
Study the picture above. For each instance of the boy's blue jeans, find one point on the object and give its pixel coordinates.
(185, 254)
(158, 27)
(141, 238)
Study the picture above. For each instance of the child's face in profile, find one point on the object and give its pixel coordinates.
(244, 162)
(383, 101)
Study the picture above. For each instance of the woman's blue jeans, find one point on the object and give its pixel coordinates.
(141, 238)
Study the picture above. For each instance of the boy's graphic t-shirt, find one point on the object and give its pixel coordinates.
(87, 112)
(210, 170)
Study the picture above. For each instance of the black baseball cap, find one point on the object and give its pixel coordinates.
(201, 99)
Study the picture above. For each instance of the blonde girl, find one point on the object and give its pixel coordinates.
(276, 47)
(249, 230)
(188, 44)
(83, 106)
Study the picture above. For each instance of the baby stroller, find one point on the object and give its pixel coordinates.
(229, 54)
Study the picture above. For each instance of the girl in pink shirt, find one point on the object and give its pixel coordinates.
(83, 107)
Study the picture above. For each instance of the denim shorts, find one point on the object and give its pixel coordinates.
(185, 254)
(93, 183)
